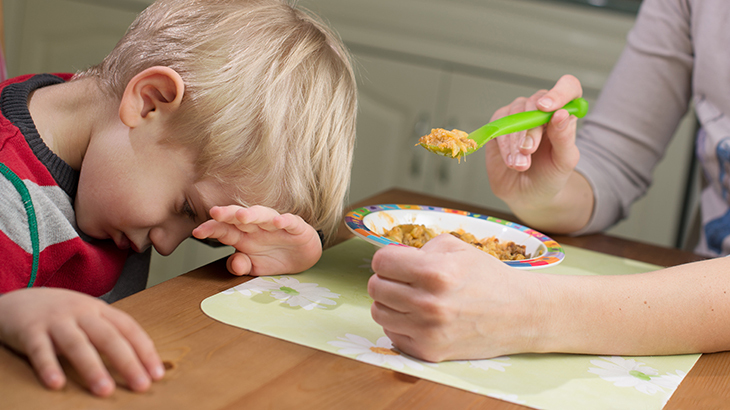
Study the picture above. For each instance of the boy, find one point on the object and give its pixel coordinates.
(202, 103)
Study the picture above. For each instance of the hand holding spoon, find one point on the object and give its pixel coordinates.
(458, 144)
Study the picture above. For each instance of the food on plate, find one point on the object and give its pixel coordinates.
(417, 236)
(454, 142)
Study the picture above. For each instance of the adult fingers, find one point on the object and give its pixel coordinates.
(396, 296)
(72, 342)
(516, 158)
(531, 141)
(507, 143)
(107, 339)
(561, 131)
(414, 347)
(396, 263)
(567, 88)
(139, 340)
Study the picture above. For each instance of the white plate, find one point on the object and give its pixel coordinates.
(371, 222)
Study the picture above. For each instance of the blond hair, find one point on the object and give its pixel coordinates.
(269, 103)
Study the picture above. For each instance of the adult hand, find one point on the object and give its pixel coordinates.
(525, 166)
(266, 242)
(45, 322)
(449, 300)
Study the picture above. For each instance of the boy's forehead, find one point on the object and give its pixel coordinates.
(213, 193)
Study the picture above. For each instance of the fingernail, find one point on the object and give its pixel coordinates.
(562, 124)
(528, 142)
(509, 160)
(102, 387)
(140, 383)
(158, 372)
(520, 161)
(546, 103)
(53, 380)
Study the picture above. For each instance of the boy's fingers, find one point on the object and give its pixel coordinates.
(257, 215)
(42, 356)
(292, 224)
(239, 264)
(566, 89)
(225, 214)
(223, 232)
(109, 342)
(139, 340)
(72, 343)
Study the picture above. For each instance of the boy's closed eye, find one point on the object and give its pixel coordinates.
(188, 210)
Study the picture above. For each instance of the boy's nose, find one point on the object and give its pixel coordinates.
(166, 241)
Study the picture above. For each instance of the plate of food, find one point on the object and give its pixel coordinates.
(413, 225)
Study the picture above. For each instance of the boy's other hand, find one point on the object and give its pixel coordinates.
(266, 242)
(45, 322)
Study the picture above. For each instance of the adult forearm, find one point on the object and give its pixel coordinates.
(683, 309)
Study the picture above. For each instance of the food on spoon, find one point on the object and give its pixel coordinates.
(417, 236)
(453, 143)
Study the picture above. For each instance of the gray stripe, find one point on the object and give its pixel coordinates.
(54, 213)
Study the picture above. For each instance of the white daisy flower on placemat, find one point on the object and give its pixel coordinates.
(497, 363)
(381, 353)
(627, 373)
(288, 290)
(669, 380)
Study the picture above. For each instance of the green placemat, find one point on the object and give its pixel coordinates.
(328, 308)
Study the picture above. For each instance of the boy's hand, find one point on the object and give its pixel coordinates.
(45, 322)
(266, 242)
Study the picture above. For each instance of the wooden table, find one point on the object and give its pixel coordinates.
(215, 366)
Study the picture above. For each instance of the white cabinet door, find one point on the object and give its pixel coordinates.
(62, 35)
(397, 103)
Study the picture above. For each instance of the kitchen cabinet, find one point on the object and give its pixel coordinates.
(472, 57)
(63, 35)
(420, 64)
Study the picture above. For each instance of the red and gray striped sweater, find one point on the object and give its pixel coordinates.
(39, 242)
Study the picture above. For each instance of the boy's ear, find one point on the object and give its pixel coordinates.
(153, 92)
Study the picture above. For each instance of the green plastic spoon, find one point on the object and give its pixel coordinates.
(509, 124)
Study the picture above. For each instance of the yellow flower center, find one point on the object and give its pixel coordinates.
(385, 351)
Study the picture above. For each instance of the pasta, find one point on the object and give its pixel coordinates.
(417, 236)
(455, 141)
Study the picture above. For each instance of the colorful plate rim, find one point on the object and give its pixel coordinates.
(354, 220)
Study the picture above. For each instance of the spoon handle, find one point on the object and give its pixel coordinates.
(524, 121)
